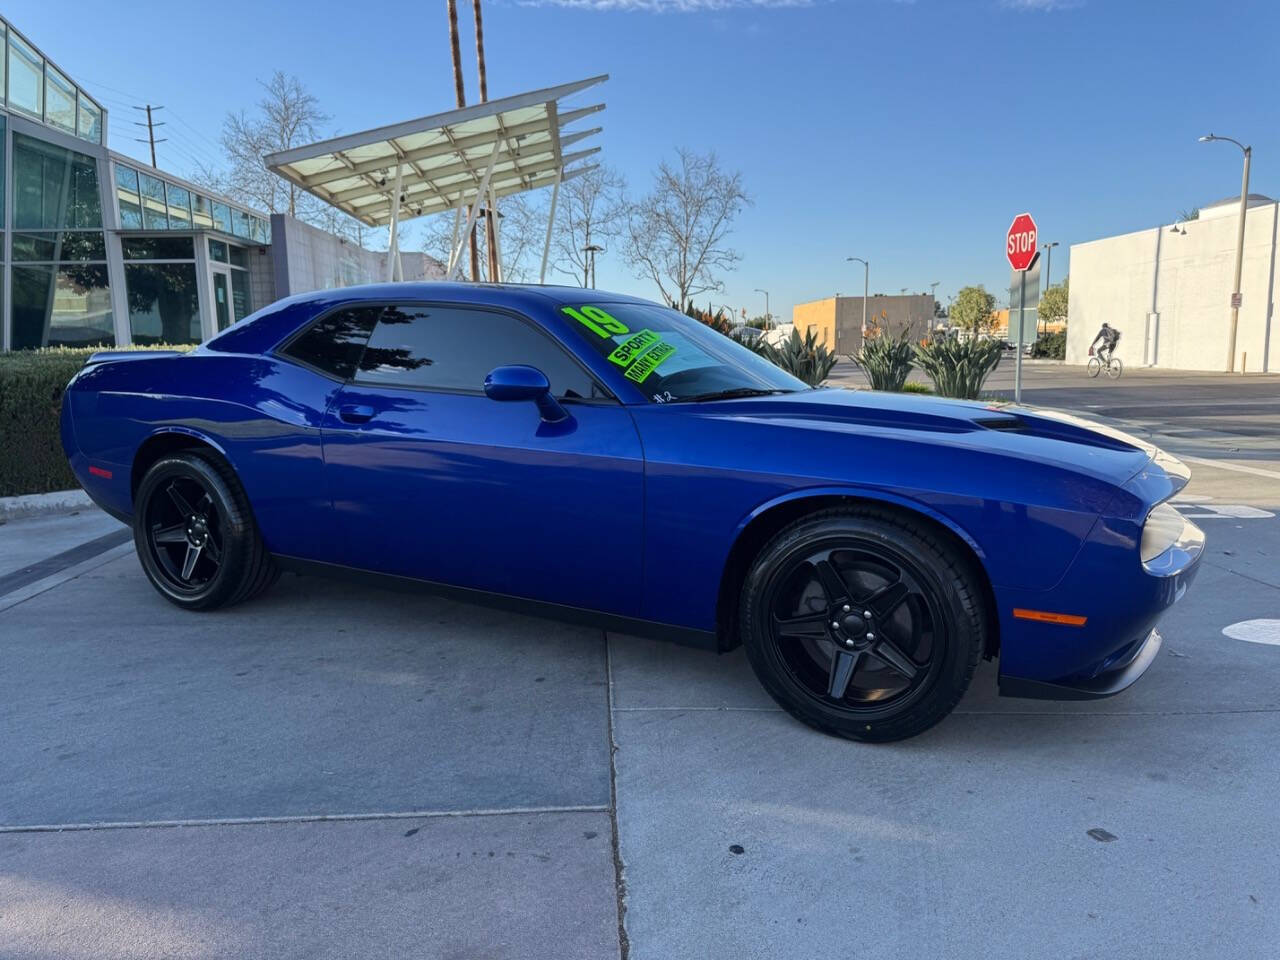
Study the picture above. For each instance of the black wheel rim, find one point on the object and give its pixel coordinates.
(184, 533)
(855, 627)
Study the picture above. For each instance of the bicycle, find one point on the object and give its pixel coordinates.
(1111, 364)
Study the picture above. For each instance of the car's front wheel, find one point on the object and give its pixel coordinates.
(195, 533)
(863, 623)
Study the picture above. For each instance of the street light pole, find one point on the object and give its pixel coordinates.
(1244, 206)
(768, 317)
(1048, 265)
(866, 286)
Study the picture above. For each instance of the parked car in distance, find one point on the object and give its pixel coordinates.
(602, 459)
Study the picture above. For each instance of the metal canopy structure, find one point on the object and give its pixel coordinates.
(447, 161)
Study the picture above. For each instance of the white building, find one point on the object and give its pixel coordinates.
(1168, 291)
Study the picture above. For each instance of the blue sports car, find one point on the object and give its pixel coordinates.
(599, 458)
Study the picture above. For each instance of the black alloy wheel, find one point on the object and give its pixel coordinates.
(195, 534)
(863, 623)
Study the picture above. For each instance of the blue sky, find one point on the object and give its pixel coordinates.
(906, 132)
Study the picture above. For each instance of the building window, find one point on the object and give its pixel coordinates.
(201, 212)
(26, 77)
(179, 208)
(89, 120)
(60, 293)
(240, 223)
(127, 198)
(153, 211)
(54, 188)
(241, 306)
(222, 217)
(164, 306)
(59, 101)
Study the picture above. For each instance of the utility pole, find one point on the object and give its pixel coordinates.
(1244, 207)
(491, 221)
(456, 50)
(151, 131)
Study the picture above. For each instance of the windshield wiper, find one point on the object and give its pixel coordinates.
(731, 394)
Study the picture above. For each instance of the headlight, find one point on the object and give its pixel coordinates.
(1162, 530)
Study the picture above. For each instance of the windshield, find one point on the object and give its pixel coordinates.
(674, 358)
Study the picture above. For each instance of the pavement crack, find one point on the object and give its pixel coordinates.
(619, 881)
(1219, 566)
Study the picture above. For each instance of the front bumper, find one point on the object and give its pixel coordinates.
(1106, 683)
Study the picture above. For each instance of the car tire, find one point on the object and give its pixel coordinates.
(195, 534)
(863, 623)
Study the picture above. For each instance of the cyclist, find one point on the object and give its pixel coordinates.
(1109, 336)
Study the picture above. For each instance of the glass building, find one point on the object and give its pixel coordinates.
(98, 248)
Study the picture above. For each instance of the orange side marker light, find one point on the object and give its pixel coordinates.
(1064, 619)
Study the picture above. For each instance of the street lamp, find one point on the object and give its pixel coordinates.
(589, 263)
(1048, 264)
(866, 282)
(768, 317)
(1244, 206)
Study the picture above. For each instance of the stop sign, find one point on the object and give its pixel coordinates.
(1020, 245)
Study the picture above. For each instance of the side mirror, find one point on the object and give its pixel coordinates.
(520, 382)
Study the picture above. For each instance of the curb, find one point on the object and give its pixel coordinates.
(43, 504)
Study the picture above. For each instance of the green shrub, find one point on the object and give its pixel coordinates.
(1051, 346)
(31, 385)
(958, 368)
(886, 360)
(802, 357)
(917, 388)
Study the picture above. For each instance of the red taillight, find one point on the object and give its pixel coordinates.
(100, 472)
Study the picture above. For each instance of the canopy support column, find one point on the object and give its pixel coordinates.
(494, 238)
(453, 240)
(475, 211)
(393, 247)
(551, 219)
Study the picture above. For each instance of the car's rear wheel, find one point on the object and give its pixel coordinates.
(863, 623)
(195, 533)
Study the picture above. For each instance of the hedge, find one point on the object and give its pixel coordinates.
(31, 385)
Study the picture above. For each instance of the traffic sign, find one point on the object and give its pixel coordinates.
(1022, 241)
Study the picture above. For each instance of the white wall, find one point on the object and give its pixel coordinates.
(1118, 279)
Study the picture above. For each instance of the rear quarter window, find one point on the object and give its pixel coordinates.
(334, 343)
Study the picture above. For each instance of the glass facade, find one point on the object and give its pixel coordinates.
(146, 201)
(61, 294)
(28, 82)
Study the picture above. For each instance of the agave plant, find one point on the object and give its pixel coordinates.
(802, 357)
(886, 360)
(957, 367)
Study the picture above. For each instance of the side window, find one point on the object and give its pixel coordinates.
(449, 348)
(334, 343)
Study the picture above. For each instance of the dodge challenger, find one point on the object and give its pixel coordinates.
(599, 458)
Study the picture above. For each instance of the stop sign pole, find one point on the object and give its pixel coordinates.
(1021, 246)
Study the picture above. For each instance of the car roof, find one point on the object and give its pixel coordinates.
(466, 292)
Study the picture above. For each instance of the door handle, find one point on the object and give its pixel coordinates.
(355, 413)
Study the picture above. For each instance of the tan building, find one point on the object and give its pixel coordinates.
(837, 321)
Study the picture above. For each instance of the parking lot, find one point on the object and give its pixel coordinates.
(340, 771)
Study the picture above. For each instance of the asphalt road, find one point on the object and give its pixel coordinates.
(338, 771)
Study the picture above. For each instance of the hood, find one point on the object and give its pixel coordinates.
(1019, 431)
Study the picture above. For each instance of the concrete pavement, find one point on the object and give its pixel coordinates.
(339, 771)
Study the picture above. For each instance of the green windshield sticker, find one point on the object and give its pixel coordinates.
(649, 361)
(597, 321)
(628, 351)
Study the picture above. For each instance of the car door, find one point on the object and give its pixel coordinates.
(432, 479)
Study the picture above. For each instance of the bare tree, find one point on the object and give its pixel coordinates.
(591, 210)
(287, 116)
(521, 230)
(676, 235)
